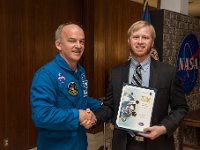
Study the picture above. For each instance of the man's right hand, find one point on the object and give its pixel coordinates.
(87, 118)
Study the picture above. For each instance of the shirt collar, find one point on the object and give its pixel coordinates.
(145, 64)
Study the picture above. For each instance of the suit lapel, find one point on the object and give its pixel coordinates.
(153, 74)
(125, 72)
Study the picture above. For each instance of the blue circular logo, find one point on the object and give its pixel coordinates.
(187, 62)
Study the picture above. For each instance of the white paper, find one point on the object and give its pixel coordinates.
(135, 108)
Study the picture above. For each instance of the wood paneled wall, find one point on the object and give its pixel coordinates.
(2, 76)
(27, 42)
(111, 21)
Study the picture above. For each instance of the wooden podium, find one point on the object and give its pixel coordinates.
(192, 120)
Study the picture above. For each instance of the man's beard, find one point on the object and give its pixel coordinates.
(133, 53)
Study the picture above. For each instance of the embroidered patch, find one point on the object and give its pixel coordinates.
(84, 85)
(61, 77)
(72, 88)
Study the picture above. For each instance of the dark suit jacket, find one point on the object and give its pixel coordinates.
(163, 78)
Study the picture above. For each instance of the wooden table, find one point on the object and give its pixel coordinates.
(191, 120)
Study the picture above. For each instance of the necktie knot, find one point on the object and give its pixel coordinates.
(138, 67)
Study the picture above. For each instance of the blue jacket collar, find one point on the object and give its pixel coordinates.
(63, 64)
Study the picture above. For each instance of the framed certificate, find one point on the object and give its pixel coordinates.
(135, 109)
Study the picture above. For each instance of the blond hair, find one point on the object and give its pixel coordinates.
(140, 24)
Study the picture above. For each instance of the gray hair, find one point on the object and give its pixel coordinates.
(140, 24)
(60, 28)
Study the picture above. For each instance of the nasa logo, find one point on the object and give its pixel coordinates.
(187, 62)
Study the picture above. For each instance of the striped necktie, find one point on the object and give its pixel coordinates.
(137, 77)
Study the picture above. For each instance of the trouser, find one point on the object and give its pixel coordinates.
(135, 143)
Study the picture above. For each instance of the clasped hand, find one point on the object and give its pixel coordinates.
(87, 118)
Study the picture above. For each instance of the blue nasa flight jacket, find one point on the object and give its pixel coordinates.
(57, 93)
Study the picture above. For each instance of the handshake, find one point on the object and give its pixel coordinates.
(87, 118)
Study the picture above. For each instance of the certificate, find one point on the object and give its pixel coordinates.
(135, 109)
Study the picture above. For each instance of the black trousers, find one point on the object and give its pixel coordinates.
(132, 144)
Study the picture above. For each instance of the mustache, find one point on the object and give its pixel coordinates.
(140, 46)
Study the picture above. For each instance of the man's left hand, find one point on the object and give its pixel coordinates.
(153, 132)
